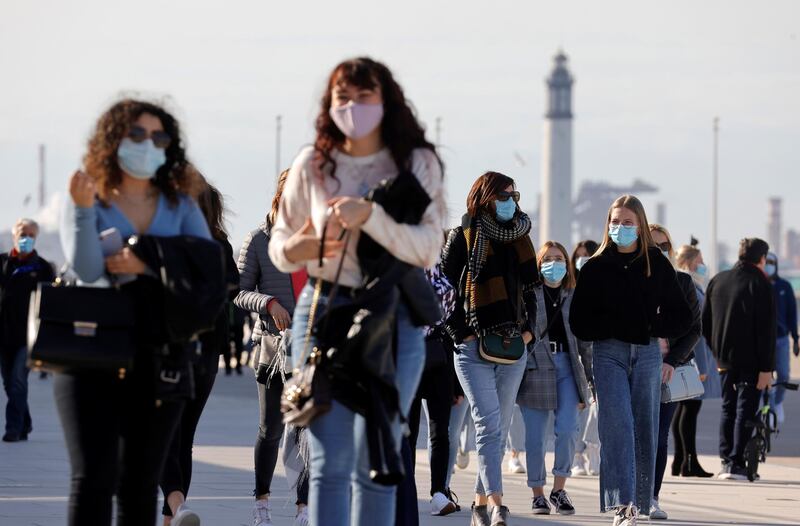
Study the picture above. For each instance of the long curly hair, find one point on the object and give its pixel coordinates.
(400, 130)
(100, 161)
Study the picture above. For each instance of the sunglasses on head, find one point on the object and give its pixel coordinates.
(505, 196)
(161, 139)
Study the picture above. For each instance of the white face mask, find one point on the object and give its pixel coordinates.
(581, 261)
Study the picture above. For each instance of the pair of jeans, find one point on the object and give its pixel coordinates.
(565, 427)
(15, 382)
(341, 491)
(491, 389)
(458, 413)
(117, 440)
(666, 412)
(781, 370)
(177, 474)
(628, 382)
(583, 416)
(740, 400)
(516, 431)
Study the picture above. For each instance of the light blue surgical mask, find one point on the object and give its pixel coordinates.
(25, 244)
(581, 261)
(701, 270)
(622, 235)
(666, 253)
(505, 210)
(554, 271)
(140, 159)
(769, 269)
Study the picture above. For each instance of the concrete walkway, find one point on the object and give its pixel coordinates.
(34, 475)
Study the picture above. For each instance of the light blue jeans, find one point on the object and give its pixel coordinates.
(628, 382)
(341, 492)
(491, 390)
(458, 414)
(781, 370)
(516, 431)
(565, 427)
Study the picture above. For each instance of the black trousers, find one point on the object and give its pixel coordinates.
(117, 440)
(177, 474)
(684, 429)
(740, 400)
(666, 412)
(270, 432)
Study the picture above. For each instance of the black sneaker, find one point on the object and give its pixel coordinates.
(562, 503)
(480, 516)
(540, 506)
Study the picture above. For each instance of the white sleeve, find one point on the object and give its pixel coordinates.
(294, 209)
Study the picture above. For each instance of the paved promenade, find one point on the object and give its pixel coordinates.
(34, 474)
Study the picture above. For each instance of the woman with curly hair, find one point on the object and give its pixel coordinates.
(366, 133)
(117, 434)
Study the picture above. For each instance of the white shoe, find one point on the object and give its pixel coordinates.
(261, 515)
(779, 413)
(462, 459)
(627, 516)
(592, 455)
(301, 519)
(185, 517)
(441, 505)
(656, 512)
(515, 466)
(578, 466)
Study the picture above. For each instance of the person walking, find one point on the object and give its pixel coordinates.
(740, 324)
(21, 271)
(557, 380)
(786, 304)
(626, 298)
(685, 462)
(270, 294)
(675, 352)
(366, 134)
(491, 261)
(117, 435)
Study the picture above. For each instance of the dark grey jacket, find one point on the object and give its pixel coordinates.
(260, 281)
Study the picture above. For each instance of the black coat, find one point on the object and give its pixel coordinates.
(739, 320)
(18, 278)
(615, 299)
(681, 349)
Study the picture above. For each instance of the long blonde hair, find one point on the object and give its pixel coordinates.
(645, 240)
(686, 256)
(655, 227)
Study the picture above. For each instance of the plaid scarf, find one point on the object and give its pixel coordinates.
(490, 307)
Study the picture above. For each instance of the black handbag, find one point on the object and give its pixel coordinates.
(72, 328)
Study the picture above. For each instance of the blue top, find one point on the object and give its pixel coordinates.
(81, 227)
(787, 308)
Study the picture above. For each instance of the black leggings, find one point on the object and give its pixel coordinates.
(117, 441)
(270, 432)
(684, 429)
(177, 474)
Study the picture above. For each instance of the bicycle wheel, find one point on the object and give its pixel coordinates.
(752, 454)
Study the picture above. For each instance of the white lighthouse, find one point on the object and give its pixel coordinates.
(555, 210)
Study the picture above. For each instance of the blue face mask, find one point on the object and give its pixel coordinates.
(623, 236)
(140, 159)
(25, 244)
(701, 270)
(505, 210)
(770, 269)
(554, 271)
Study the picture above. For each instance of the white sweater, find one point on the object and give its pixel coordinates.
(307, 192)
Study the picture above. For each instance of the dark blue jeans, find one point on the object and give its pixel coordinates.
(15, 383)
(667, 411)
(740, 400)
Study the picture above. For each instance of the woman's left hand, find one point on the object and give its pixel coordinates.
(666, 372)
(125, 262)
(350, 211)
(527, 337)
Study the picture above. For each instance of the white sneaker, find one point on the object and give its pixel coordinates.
(578, 466)
(301, 519)
(779, 413)
(441, 505)
(656, 512)
(515, 466)
(185, 517)
(592, 455)
(626, 516)
(462, 459)
(261, 515)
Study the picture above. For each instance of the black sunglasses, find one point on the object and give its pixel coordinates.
(665, 246)
(161, 139)
(505, 196)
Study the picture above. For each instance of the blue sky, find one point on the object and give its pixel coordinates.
(650, 78)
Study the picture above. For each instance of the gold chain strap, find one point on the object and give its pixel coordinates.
(311, 315)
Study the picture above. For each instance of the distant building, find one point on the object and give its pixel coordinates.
(774, 225)
(791, 250)
(591, 205)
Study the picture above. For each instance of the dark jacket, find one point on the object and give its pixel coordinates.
(18, 278)
(739, 319)
(615, 299)
(681, 349)
(216, 340)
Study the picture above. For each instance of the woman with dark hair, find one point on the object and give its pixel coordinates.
(626, 298)
(116, 434)
(556, 381)
(491, 262)
(366, 133)
(270, 294)
(177, 475)
(583, 251)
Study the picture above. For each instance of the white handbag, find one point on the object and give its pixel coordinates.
(685, 384)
